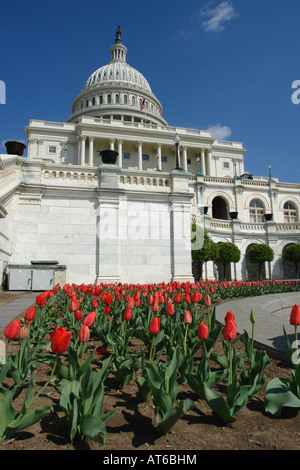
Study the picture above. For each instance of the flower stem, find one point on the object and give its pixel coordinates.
(150, 356)
(230, 363)
(47, 383)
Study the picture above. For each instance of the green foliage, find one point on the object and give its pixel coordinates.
(209, 249)
(228, 253)
(292, 253)
(259, 253)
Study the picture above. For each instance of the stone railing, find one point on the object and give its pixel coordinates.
(252, 227)
(9, 172)
(288, 227)
(70, 175)
(141, 180)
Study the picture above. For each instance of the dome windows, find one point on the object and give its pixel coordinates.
(290, 212)
(256, 211)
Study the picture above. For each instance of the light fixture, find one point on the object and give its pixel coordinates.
(177, 142)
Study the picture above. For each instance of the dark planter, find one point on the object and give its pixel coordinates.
(203, 210)
(268, 217)
(15, 148)
(233, 215)
(109, 156)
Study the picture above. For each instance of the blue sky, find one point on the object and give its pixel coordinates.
(225, 65)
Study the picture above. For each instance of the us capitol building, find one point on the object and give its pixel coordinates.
(110, 194)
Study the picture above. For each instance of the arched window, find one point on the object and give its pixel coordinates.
(108, 99)
(101, 99)
(290, 212)
(117, 99)
(125, 99)
(93, 101)
(219, 208)
(133, 101)
(256, 211)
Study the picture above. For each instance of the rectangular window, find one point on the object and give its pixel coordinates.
(126, 156)
(225, 165)
(164, 159)
(188, 161)
(51, 149)
(145, 157)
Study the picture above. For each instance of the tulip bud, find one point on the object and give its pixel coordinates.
(295, 316)
(12, 330)
(202, 331)
(207, 301)
(84, 334)
(23, 332)
(154, 326)
(252, 316)
(187, 317)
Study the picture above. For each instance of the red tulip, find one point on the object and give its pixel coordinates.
(229, 316)
(12, 330)
(177, 298)
(170, 309)
(154, 326)
(187, 317)
(23, 332)
(107, 309)
(150, 299)
(29, 315)
(229, 331)
(196, 297)
(207, 301)
(60, 340)
(127, 314)
(78, 314)
(74, 304)
(155, 307)
(130, 303)
(41, 300)
(202, 331)
(89, 319)
(94, 304)
(84, 334)
(295, 316)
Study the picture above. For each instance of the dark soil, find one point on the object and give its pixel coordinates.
(134, 427)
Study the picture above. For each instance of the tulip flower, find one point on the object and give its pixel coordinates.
(94, 304)
(229, 316)
(12, 330)
(154, 328)
(229, 333)
(127, 314)
(295, 320)
(187, 317)
(29, 315)
(89, 319)
(74, 304)
(107, 309)
(78, 314)
(60, 340)
(23, 332)
(155, 307)
(170, 309)
(177, 298)
(196, 297)
(202, 331)
(84, 334)
(41, 300)
(207, 301)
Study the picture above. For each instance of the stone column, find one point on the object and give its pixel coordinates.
(184, 163)
(120, 152)
(82, 151)
(91, 151)
(140, 155)
(159, 156)
(209, 162)
(112, 144)
(202, 161)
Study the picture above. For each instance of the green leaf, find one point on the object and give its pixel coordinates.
(218, 404)
(93, 428)
(7, 411)
(28, 419)
(279, 395)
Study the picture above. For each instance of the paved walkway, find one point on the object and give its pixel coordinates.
(272, 313)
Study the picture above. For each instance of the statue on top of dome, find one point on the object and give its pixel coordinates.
(118, 34)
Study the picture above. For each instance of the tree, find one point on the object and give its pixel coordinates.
(292, 253)
(260, 253)
(228, 253)
(208, 251)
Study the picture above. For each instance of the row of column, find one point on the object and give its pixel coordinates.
(204, 160)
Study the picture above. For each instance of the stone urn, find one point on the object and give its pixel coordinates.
(109, 156)
(268, 217)
(15, 148)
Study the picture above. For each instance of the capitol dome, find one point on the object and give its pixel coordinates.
(118, 91)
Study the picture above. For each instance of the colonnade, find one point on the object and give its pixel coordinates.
(204, 155)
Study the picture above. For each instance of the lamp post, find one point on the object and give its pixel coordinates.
(177, 142)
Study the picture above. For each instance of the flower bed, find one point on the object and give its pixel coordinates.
(161, 337)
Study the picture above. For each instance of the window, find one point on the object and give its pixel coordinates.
(52, 149)
(225, 164)
(101, 99)
(164, 159)
(133, 101)
(290, 212)
(256, 211)
(145, 157)
(189, 162)
(117, 99)
(125, 99)
(87, 103)
(108, 99)
(93, 101)
(126, 156)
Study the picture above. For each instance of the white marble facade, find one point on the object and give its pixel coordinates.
(130, 222)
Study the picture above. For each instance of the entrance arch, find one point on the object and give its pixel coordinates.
(219, 208)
